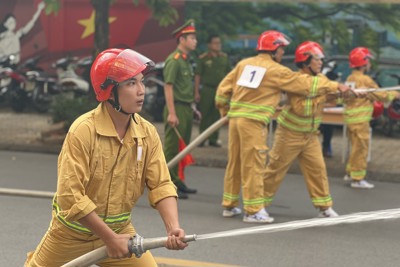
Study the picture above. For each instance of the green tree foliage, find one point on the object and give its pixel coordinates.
(317, 20)
(223, 18)
(346, 24)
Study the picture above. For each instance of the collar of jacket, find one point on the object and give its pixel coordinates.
(104, 125)
(357, 72)
(184, 56)
(266, 56)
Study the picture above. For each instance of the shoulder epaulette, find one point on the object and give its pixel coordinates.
(203, 55)
(177, 55)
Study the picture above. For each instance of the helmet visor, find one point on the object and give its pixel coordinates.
(128, 64)
(370, 54)
(282, 40)
(315, 52)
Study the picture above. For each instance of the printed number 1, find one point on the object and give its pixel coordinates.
(252, 75)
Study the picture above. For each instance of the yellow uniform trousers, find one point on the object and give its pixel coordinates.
(247, 155)
(61, 245)
(289, 145)
(358, 134)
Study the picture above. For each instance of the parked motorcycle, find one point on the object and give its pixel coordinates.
(154, 100)
(6, 68)
(392, 113)
(31, 85)
(387, 116)
(71, 84)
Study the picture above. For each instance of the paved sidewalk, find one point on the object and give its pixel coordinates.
(23, 132)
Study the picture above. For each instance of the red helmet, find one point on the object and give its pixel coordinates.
(271, 40)
(113, 66)
(394, 110)
(360, 56)
(378, 109)
(307, 49)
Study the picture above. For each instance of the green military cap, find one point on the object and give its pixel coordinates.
(188, 27)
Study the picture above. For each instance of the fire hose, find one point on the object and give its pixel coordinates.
(383, 89)
(371, 90)
(138, 245)
(197, 141)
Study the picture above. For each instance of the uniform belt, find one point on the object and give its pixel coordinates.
(182, 103)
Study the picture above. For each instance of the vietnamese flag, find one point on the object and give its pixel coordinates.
(187, 160)
(73, 28)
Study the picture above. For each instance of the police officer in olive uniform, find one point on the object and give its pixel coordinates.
(179, 95)
(211, 68)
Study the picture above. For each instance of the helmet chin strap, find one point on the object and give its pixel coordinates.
(312, 71)
(117, 106)
(273, 55)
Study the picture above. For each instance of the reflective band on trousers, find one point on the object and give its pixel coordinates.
(109, 220)
(298, 124)
(357, 115)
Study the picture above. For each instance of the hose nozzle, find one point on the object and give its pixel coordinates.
(139, 245)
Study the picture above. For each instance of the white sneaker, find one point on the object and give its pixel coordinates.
(347, 178)
(362, 184)
(261, 216)
(231, 212)
(328, 213)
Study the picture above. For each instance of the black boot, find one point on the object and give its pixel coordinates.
(215, 144)
(184, 189)
(181, 195)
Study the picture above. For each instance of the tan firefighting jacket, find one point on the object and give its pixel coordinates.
(259, 103)
(97, 172)
(302, 113)
(360, 109)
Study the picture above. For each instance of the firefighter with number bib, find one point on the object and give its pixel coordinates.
(248, 95)
(357, 115)
(297, 136)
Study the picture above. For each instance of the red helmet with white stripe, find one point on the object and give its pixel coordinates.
(271, 40)
(360, 56)
(378, 109)
(307, 49)
(113, 66)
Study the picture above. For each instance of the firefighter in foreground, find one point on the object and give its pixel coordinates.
(297, 135)
(357, 115)
(249, 95)
(109, 156)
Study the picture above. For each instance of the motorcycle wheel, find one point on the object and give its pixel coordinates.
(41, 100)
(18, 100)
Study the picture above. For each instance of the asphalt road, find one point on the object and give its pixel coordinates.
(24, 221)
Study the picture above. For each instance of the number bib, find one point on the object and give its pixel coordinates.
(251, 76)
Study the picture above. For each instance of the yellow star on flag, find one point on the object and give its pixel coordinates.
(89, 24)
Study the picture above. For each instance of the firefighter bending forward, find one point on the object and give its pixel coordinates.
(297, 136)
(249, 95)
(109, 156)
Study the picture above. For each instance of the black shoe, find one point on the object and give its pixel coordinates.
(182, 195)
(327, 153)
(184, 189)
(215, 145)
